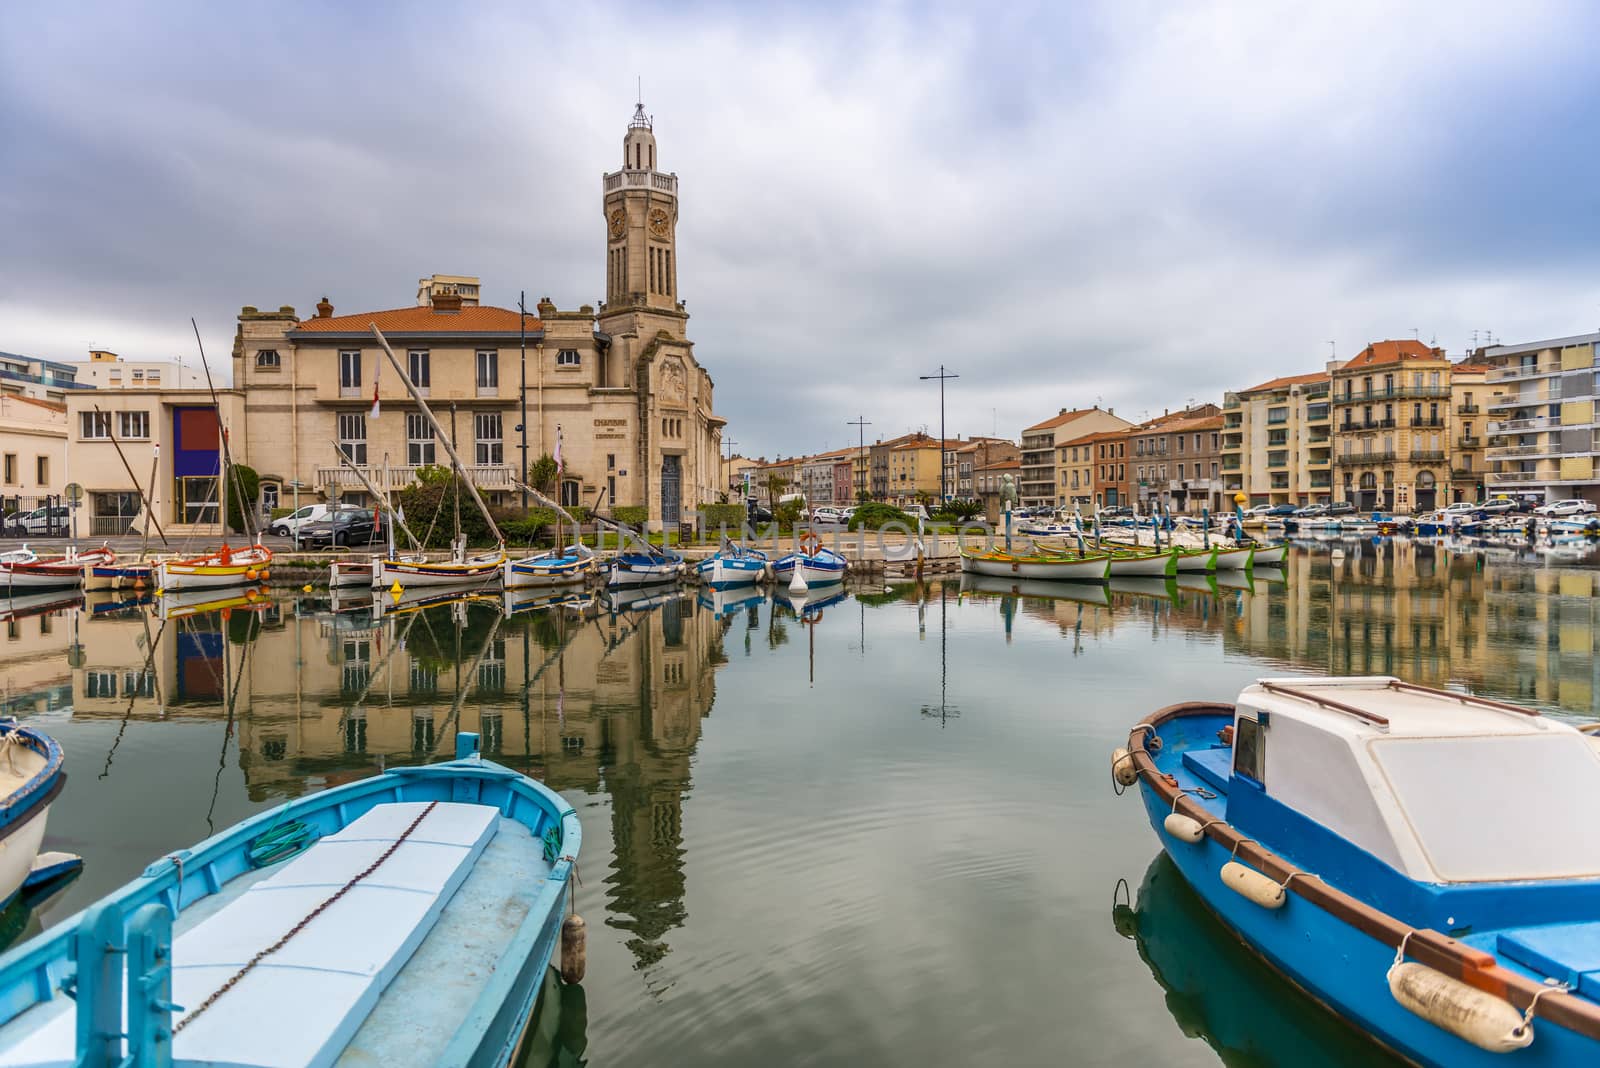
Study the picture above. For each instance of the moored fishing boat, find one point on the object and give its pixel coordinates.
(353, 572)
(32, 775)
(51, 572)
(817, 565)
(643, 569)
(119, 575)
(219, 570)
(1270, 555)
(482, 569)
(1421, 861)
(1092, 567)
(571, 566)
(1236, 558)
(1186, 561)
(320, 931)
(1125, 560)
(733, 565)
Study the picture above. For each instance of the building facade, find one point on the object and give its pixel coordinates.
(1277, 442)
(878, 462)
(1176, 458)
(1468, 393)
(964, 461)
(1041, 484)
(1543, 435)
(619, 388)
(107, 370)
(48, 380)
(1393, 427)
(33, 451)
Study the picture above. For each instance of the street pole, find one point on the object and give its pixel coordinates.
(522, 306)
(860, 423)
(941, 376)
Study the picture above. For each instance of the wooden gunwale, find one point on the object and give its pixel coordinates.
(1427, 946)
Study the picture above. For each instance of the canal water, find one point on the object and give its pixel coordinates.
(874, 829)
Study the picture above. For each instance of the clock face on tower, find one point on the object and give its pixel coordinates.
(619, 224)
(660, 223)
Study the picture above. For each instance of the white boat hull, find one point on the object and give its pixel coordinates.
(170, 576)
(1194, 562)
(1155, 564)
(16, 859)
(1271, 555)
(343, 573)
(1094, 569)
(481, 572)
(1234, 559)
(727, 574)
(641, 575)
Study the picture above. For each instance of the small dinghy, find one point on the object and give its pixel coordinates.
(353, 572)
(1424, 862)
(33, 572)
(817, 566)
(407, 918)
(32, 774)
(219, 570)
(734, 565)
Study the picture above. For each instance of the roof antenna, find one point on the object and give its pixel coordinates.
(1331, 354)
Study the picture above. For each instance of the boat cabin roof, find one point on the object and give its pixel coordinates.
(1444, 787)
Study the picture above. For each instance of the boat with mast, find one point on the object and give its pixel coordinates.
(461, 569)
(363, 571)
(226, 566)
(556, 567)
(643, 565)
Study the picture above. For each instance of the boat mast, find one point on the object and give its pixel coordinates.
(143, 500)
(380, 498)
(449, 446)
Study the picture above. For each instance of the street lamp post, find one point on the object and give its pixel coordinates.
(860, 423)
(941, 376)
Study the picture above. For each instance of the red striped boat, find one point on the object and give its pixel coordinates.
(51, 572)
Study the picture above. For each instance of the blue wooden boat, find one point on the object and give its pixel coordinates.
(1425, 863)
(818, 566)
(571, 566)
(404, 919)
(734, 565)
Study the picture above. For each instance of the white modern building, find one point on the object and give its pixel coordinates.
(1543, 436)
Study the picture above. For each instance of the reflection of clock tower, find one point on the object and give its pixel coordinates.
(641, 207)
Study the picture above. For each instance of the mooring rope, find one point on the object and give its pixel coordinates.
(297, 928)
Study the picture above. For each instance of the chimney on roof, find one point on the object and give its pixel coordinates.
(446, 300)
(1062, 412)
(324, 309)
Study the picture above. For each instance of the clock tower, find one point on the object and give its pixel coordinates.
(641, 211)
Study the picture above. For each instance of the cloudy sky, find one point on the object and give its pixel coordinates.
(1135, 203)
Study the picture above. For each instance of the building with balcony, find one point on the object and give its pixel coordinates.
(33, 450)
(1175, 460)
(963, 461)
(107, 370)
(1277, 442)
(878, 454)
(1041, 483)
(47, 380)
(620, 388)
(1467, 431)
(1392, 427)
(1543, 435)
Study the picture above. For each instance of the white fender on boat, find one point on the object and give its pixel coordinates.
(1122, 767)
(1185, 828)
(1253, 885)
(1470, 1014)
(797, 581)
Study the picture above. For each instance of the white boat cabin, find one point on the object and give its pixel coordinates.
(1443, 787)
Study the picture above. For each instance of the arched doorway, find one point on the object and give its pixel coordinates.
(1367, 497)
(1427, 491)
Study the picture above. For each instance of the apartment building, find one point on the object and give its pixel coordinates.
(33, 450)
(964, 460)
(28, 376)
(1468, 398)
(989, 482)
(107, 370)
(1041, 481)
(1277, 442)
(1541, 418)
(914, 470)
(878, 462)
(1175, 458)
(1392, 433)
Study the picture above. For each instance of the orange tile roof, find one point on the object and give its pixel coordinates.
(481, 319)
(1071, 415)
(1468, 369)
(1199, 422)
(1286, 381)
(999, 464)
(1381, 352)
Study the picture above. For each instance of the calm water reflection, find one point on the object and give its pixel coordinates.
(873, 828)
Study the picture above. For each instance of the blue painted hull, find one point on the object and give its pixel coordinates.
(821, 569)
(1336, 964)
(730, 572)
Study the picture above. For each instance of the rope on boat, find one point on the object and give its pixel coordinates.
(177, 898)
(297, 928)
(280, 842)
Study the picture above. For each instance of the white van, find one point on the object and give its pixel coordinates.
(311, 513)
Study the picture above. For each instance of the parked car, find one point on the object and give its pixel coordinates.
(1570, 506)
(1497, 506)
(347, 526)
(1279, 510)
(1463, 509)
(1311, 511)
(1257, 510)
(1340, 508)
(285, 526)
(42, 520)
(826, 513)
(760, 514)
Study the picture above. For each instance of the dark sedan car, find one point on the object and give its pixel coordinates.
(346, 527)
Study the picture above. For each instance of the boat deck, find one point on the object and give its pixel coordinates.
(432, 982)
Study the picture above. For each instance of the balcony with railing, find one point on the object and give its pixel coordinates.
(1321, 481)
(1230, 463)
(1356, 459)
(1512, 374)
(652, 180)
(1524, 452)
(1392, 393)
(1427, 456)
(1429, 421)
(1317, 413)
(1522, 478)
(1469, 441)
(1525, 399)
(484, 476)
(1522, 426)
(1467, 409)
(1465, 474)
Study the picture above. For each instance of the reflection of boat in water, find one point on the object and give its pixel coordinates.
(1160, 589)
(637, 599)
(105, 606)
(1043, 589)
(34, 604)
(517, 601)
(1221, 993)
(1196, 581)
(182, 605)
(386, 604)
(20, 919)
(809, 603)
(558, 1036)
(724, 603)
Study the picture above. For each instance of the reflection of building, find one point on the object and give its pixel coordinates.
(583, 699)
(35, 648)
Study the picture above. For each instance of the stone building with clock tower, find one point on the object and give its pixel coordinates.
(620, 384)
